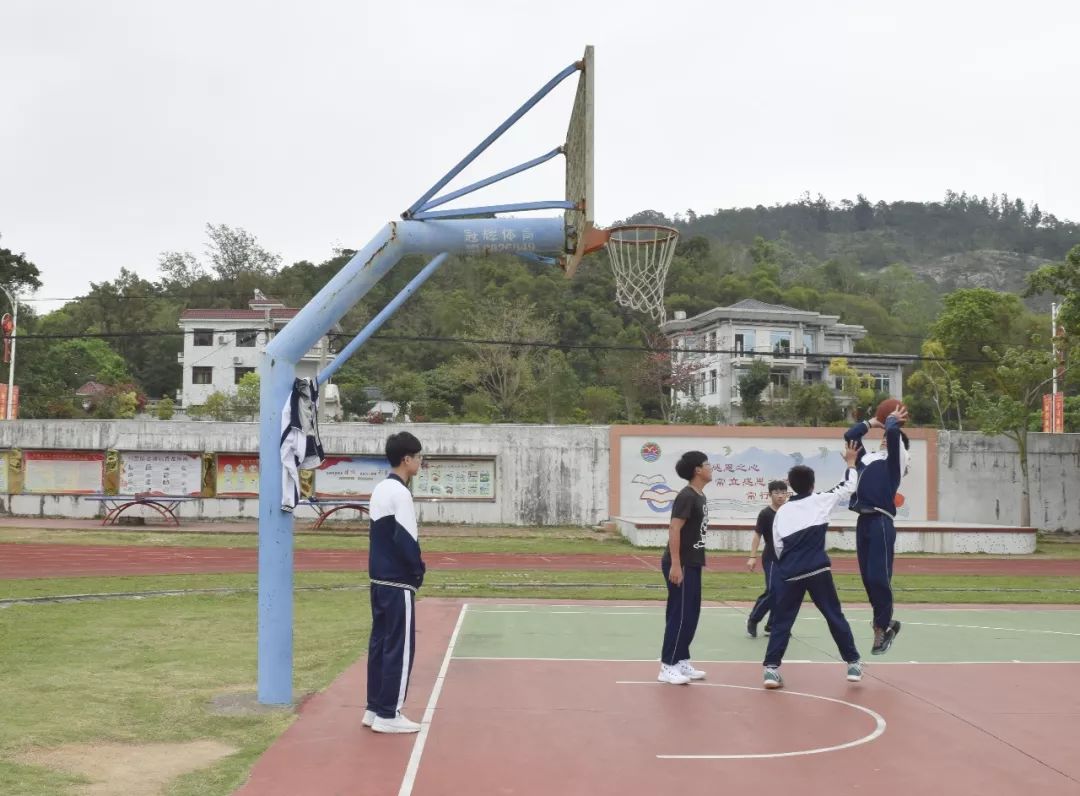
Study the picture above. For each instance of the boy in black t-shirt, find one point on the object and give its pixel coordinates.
(681, 565)
(778, 495)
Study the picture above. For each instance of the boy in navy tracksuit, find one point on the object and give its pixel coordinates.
(803, 566)
(396, 571)
(681, 564)
(778, 495)
(875, 533)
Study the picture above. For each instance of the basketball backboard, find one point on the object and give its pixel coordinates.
(579, 166)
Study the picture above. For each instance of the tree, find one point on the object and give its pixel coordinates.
(234, 251)
(855, 384)
(813, 404)
(505, 374)
(403, 389)
(218, 406)
(180, 269)
(661, 375)
(246, 400)
(1061, 279)
(557, 389)
(751, 386)
(974, 319)
(166, 408)
(939, 381)
(17, 273)
(1020, 376)
(600, 403)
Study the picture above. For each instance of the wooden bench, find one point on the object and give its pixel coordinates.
(165, 505)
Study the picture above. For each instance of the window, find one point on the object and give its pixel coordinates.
(246, 338)
(780, 343)
(778, 384)
(811, 376)
(808, 343)
(712, 382)
(737, 376)
(203, 337)
(744, 341)
(239, 373)
(202, 375)
(838, 383)
(882, 383)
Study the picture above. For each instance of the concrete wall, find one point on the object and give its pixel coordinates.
(979, 479)
(552, 475)
(545, 475)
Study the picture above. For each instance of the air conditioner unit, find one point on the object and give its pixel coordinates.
(237, 360)
(222, 339)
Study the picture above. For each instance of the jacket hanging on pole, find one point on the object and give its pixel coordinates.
(301, 448)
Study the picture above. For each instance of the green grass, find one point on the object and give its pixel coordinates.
(136, 671)
(438, 539)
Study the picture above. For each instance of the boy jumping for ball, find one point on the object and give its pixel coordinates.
(803, 566)
(875, 502)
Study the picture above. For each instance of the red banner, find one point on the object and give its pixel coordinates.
(14, 402)
(1053, 413)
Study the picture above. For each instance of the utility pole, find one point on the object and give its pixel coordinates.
(11, 364)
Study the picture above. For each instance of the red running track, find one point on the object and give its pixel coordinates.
(33, 560)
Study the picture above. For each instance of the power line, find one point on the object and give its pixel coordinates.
(856, 356)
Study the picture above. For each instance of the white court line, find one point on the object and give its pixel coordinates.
(981, 627)
(409, 780)
(867, 664)
(879, 726)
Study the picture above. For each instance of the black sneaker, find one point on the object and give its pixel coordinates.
(768, 629)
(751, 629)
(884, 639)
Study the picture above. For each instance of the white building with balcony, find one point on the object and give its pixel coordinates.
(221, 345)
(796, 344)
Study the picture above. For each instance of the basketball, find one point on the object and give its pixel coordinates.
(886, 408)
(898, 501)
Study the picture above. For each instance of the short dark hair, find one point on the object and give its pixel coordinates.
(688, 462)
(778, 486)
(400, 445)
(801, 479)
(907, 442)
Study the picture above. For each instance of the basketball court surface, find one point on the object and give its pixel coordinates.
(537, 698)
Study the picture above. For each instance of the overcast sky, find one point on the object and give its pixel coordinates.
(126, 126)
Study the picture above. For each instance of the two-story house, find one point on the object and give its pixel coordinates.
(796, 344)
(221, 345)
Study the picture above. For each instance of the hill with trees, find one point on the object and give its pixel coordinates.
(893, 268)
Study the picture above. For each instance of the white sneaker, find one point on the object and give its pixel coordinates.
(369, 718)
(398, 724)
(687, 668)
(671, 674)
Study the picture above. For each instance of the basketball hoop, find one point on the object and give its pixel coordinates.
(640, 256)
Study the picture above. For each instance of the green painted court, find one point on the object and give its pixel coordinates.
(621, 632)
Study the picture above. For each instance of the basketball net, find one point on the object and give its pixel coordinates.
(640, 256)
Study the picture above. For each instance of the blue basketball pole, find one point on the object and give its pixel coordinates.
(278, 370)
(437, 233)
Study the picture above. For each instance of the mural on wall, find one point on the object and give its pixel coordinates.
(455, 479)
(237, 475)
(742, 469)
(350, 476)
(62, 472)
(160, 473)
